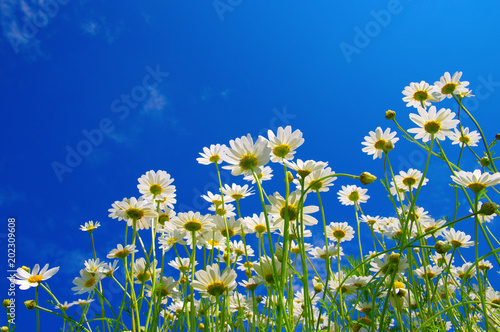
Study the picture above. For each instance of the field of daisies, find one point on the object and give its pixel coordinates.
(260, 272)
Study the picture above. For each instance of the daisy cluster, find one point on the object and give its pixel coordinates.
(266, 271)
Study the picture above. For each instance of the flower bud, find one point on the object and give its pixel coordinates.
(290, 176)
(201, 326)
(4, 329)
(388, 146)
(390, 115)
(258, 299)
(488, 209)
(367, 178)
(485, 161)
(6, 303)
(318, 286)
(442, 247)
(497, 136)
(30, 305)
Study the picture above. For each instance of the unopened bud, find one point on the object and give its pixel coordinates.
(6, 303)
(390, 115)
(442, 247)
(290, 176)
(367, 178)
(394, 258)
(201, 326)
(30, 305)
(497, 136)
(318, 286)
(258, 299)
(488, 209)
(485, 161)
(4, 329)
(388, 146)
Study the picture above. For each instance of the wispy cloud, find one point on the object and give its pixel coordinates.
(156, 102)
(99, 27)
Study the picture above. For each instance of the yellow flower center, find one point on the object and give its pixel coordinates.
(89, 283)
(122, 253)
(172, 241)
(339, 234)
(248, 162)
(134, 213)
(193, 225)
(399, 285)
(354, 196)
(432, 127)
(143, 276)
(379, 145)
(316, 185)
(215, 158)
(237, 196)
(35, 278)
(155, 189)
(421, 95)
(455, 243)
(430, 275)
(281, 150)
(464, 139)
(260, 228)
(216, 288)
(409, 181)
(448, 88)
(292, 212)
(476, 187)
(231, 232)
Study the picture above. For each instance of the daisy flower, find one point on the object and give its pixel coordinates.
(257, 224)
(121, 252)
(464, 272)
(167, 287)
(168, 239)
(237, 192)
(284, 144)
(371, 221)
(213, 240)
(385, 265)
(211, 283)
(431, 124)
(86, 282)
(409, 180)
(216, 199)
(244, 156)
(476, 181)
(233, 225)
(313, 180)
(164, 216)
(227, 210)
(420, 94)
(350, 195)
(266, 173)
(264, 268)
(457, 239)
(64, 306)
(94, 265)
(339, 232)
(320, 253)
(26, 279)
(375, 144)
(181, 264)
(430, 226)
(214, 154)
(448, 85)
(304, 168)
(465, 137)
(143, 270)
(429, 272)
(192, 222)
(157, 186)
(90, 226)
(278, 212)
(133, 209)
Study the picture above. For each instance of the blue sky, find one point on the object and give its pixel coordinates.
(152, 83)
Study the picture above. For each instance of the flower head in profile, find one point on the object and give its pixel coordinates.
(464, 137)
(121, 251)
(192, 222)
(213, 155)
(283, 144)
(420, 94)
(448, 85)
(377, 143)
(433, 124)
(134, 209)
(86, 282)
(90, 226)
(278, 211)
(304, 168)
(409, 180)
(26, 279)
(244, 155)
(211, 283)
(157, 186)
(457, 239)
(350, 195)
(266, 173)
(319, 180)
(237, 192)
(257, 224)
(476, 181)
